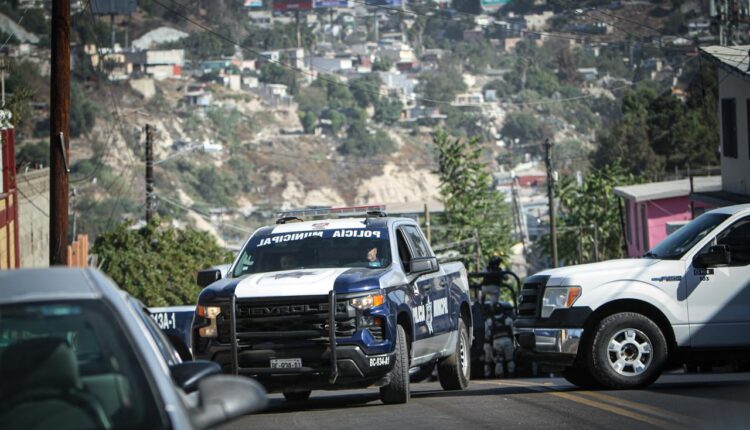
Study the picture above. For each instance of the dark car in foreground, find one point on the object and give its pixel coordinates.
(76, 352)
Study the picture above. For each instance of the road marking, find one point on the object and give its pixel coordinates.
(683, 419)
(550, 389)
(615, 410)
(616, 401)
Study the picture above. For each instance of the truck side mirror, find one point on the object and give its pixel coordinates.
(208, 277)
(718, 255)
(423, 265)
(188, 374)
(223, 398)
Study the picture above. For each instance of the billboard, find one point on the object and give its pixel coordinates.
(113, 7)
(330, 3)
(388, 3)
(285, 5)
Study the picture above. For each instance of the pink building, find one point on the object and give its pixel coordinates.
(652, 211)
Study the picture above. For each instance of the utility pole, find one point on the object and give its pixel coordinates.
(149, 175)
(551, 200)
(59, 133)
(427, 231)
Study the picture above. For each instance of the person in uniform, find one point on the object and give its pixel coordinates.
(502, 340)
(498, 340)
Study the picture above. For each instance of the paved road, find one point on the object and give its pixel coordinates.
(704, 401)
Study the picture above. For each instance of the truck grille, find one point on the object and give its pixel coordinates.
(531, 296)
(280, 321)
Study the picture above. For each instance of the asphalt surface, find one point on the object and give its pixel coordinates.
(701, 401)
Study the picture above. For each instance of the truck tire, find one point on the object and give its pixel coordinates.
(454, 371)
(420, 373)
(628, 351)
(580, 378)
(297, 396)
(398, 391)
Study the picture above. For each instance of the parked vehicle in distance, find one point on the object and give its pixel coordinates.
(77, 352)
(618, 323)
(337, 303)
(176, 322)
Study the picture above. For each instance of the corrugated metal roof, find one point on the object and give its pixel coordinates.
(736, 58)
(668, 189)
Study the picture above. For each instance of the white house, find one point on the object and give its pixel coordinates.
(733, 110)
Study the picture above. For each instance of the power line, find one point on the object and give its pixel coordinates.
(32, 203)
(203, 215)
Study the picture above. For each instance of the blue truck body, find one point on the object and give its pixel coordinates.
(332, 320)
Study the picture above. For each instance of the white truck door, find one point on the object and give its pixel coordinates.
(719, 297)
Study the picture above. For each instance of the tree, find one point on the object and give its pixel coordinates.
(388, 110)
(567, 67)
(382, 64)
(472, 205)
(158, 264)
(82, 111)
(591, 205)
(363, 141)
(523, 126)
(273, 73)
(442, 84)
(309, 120)
(366, 90)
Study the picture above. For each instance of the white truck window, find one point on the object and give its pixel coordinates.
(737, 238)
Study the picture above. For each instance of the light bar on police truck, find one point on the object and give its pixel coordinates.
(352, 210)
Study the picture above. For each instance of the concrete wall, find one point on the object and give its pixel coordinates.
(735, 172)
(33, 221)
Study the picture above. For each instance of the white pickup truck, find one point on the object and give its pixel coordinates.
(618, 323)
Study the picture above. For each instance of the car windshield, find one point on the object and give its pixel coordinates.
(333, 248)
(681, 241)
(70, 360)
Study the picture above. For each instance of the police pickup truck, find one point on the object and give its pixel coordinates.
(618, 323)
(337, 303)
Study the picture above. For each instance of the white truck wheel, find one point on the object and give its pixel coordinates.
(628, 351)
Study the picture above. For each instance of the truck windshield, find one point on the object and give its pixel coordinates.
(682, 240)
(334, 248)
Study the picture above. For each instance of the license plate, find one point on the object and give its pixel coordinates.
(286, 363)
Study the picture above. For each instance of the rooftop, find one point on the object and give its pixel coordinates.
(734, 58)
(669, 189)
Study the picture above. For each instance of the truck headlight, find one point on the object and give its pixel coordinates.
(559, 298)
(369, 301)
(210, 313)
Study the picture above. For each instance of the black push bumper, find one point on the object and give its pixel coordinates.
(325, 364)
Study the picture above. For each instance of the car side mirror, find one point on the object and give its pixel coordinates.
(718, 255)
(208, 277)
(223, 398)
(423, 265)
(188, 374)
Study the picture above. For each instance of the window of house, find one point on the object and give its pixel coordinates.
(729, 128)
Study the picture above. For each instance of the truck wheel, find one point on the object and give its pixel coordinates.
(580, 378)
(420, 373)
(297, 396)
(397, 391)
(628, 351)
(454, 371)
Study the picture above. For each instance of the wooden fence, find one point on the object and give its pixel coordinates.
(78, 252)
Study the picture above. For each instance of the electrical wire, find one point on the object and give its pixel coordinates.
(32, 202)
